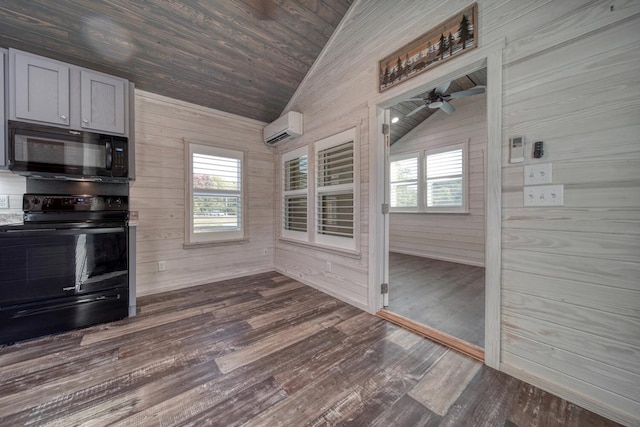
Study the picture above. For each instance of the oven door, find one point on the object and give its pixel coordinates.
(48, 263)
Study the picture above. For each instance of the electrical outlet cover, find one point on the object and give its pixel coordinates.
(4, 202)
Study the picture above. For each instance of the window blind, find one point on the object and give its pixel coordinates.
(295, 194)
(444, 179)
(217, 193)
(335, 207)
(335, 165)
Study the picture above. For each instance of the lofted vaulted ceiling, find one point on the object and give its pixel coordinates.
(245, 57)
(402, 109)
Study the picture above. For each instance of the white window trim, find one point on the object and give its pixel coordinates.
(422, 179)
(344, 243)
(291, 234)
(465, 179)
(404, 156)
(217, 236)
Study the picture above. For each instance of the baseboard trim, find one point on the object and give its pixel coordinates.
(321, 288)
(434, 335)
(583, 400)
(185, 285)
(439, 257)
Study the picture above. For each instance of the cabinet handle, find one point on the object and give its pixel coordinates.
(63, 117)
(85, 121)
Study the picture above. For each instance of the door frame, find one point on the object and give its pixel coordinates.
(491, 57)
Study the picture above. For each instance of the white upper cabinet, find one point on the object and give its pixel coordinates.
(102, 102)
(47, 91)
(42, 90)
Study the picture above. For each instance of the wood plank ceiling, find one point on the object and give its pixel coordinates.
(245, 57)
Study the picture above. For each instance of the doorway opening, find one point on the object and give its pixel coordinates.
(491, 58)
(436, 182)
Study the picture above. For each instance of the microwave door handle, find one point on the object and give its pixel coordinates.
(109, 153)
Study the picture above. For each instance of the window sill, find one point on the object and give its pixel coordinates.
(213, 243)
(432, 212)
(323, 248)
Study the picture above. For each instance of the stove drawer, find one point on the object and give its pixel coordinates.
(25, 321)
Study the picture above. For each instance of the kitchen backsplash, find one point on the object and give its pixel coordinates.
(13, 186)
(10, 218)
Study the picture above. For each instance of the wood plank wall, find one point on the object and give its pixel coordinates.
(449, 237)
(570, 275)
(346, 278)
(158, 194)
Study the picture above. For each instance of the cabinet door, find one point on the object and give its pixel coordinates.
(102, 102)
(42, 90)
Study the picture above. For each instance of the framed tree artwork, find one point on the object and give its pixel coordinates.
(453, 37)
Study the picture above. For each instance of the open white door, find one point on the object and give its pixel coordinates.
(385, 209)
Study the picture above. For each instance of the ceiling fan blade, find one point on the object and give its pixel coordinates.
(416, 110)
(468, 92)
(442, 88)
(447, 108)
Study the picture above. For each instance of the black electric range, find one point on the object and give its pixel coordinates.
(65, 267)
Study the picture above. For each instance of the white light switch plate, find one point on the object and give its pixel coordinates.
(4, 202)
(544, 195)
(536, 174)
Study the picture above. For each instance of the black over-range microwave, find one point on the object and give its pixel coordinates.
(51, 152)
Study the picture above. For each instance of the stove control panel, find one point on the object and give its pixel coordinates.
(61, 203)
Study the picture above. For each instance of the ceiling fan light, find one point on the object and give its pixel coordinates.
(395, 120)
(435, 104)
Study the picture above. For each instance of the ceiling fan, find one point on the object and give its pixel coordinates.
(437, 99)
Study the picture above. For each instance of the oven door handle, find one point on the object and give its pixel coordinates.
(67, 231)
(89, 230)
(59, 306)
(39, 230)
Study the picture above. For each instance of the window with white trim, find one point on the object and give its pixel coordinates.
(445, 183)
(403, 177)
(431, 181)
(335, 191)
(295, 167)
(215, 194)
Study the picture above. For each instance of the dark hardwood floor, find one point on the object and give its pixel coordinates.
(263, 350)
(446, 296)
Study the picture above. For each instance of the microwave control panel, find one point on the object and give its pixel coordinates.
(119, 157)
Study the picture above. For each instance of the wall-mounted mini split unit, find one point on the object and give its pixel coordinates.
(285, 127)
